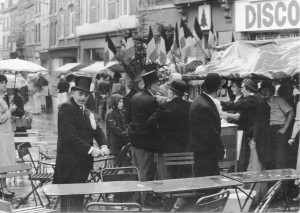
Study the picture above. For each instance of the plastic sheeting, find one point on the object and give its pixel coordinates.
(271, 59)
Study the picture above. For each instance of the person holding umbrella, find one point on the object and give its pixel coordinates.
(7, 151)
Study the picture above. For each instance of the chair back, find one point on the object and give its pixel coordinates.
(129, 173)
(212, 203)
(264, 204)
(5, 206)
(122, 155)
(179, 159)
(112, 207)
(23, 150)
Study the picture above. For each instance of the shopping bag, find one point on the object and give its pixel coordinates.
(24, 121)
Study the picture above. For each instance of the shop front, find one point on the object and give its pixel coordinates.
(263, 20)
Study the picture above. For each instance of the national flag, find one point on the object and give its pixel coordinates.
(211, 37)
(129, 49)
(232, 38)
(109, 50)
(197, 32)
(186, 49)
(163, 47)
(175, 50)
(152, 53)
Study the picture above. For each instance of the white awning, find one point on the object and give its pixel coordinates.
(69, 67)
(97, 67)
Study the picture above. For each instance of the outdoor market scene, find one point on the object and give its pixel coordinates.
(149, 106)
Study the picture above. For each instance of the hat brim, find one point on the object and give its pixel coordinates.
(83, 90)
(158, 80)
(223, 81)
(174, 90)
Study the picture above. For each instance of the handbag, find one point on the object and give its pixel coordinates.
(24, 121)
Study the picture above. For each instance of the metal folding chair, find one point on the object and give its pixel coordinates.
(6, 207)
(41, 177)
(19, 170)
(114, 207)
(212, 203)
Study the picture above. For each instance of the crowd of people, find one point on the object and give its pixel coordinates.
(160, 120)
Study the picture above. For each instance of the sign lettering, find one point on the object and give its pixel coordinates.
(267, 15)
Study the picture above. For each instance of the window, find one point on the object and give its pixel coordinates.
(71, 19)
(38, 7)
(97, 54)
(113, 9)
(102, 9)
(4, 44)
(93, 11)
(124, 7)
(61, 23)
(55, 33)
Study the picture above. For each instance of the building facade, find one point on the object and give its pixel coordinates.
(101, 17)
(64, 45)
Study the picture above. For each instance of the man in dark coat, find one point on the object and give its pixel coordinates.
(76, 130)
(170, 123)
(143, 105)
(127, 100)
(205, 129)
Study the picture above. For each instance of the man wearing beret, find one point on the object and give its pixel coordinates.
(143, 105)
(75, 152)
(205, 128)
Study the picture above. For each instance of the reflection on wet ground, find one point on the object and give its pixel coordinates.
(48, 121)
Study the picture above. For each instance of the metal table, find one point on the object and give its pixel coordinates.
(264, 176)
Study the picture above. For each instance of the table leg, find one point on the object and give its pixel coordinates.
(286, 198)
(248, 195)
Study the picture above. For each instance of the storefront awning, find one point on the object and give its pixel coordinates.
(97, 67)
(69, 67)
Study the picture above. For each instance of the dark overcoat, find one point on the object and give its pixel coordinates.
(143, 105)
(19, 102)
(170, 123)
(257, 126)
(205, 131)
(75, 139)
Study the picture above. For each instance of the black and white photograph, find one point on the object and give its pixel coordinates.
(149, 106)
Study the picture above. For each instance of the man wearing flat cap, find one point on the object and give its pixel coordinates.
(77, 128)
(205, 128)
(143, 105)
(170, 123)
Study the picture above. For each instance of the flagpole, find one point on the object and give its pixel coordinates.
(201, 47)
(174, 61)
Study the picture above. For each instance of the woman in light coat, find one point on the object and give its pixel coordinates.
(7, 144)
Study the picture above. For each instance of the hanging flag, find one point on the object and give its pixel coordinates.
(129, 49)
(175, 50)
(109, 50)
(197, 33)
(211, 37)
(163, 47)
(232, 38)
(152, 53)
(187, 39)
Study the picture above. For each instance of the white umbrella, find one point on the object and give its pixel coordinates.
(15, 81)
(20, 65)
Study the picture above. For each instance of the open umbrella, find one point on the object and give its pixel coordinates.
(42, 81)
(15, 81)
(20, 65)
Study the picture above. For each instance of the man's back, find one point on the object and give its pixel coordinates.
(143, 105)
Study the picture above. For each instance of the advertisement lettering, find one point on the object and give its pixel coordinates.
(267, 15)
